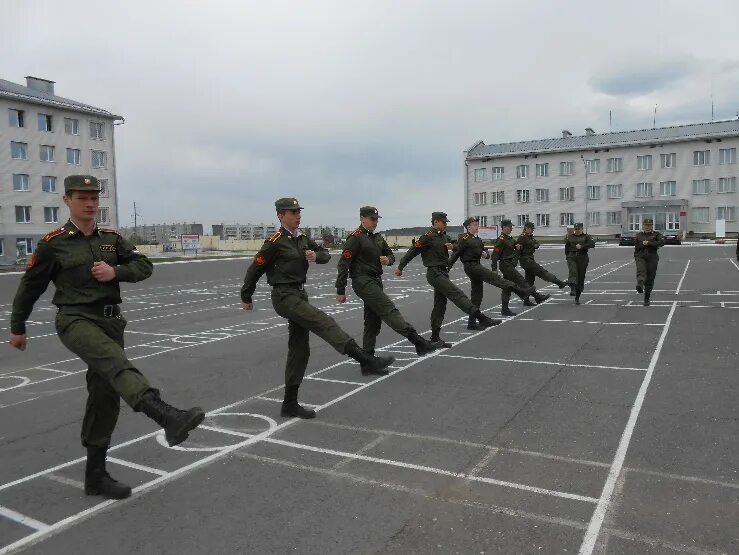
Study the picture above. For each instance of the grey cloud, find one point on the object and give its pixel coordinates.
(642, 77)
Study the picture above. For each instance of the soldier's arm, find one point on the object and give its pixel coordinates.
(497, 251)
(322, 254)
(412, 253)
(387, 251)
(347, 256)
(259, 265)
(659, 240)
(40, 272)
(456, 253)
(567, 246)
(589, 243)
(132, 265)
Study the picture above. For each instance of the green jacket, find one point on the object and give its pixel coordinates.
(468, 248)
(432, 248)
(504, 250)
(361, 257)
(655, 240)
(65, 256)
(585, 241)
(282, 256)
(528, 245)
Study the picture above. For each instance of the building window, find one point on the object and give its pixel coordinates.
(593, 192)
(615, 191)
(23, 214)
(51, 214)
(594, 218)
(21, 182)
(567, 168)
(542, 170)
(103, 187)
(97, 131)
(701, 157)
(483, 221)
(44, 122)
(103, 216)
(73, 156)
(71, 126)
(480, 174)
(542, 195)
(497, 197)
(48, 184)
(47, 153)
(727, 213)
(672, 221)
(522, 219)
(99, 159)
(667, 188)
(592, 166)
(498, 219)
(566, 219)
(644, 190)
(18, 151)
(727, 156)
(700, 215)
(15, 118)
(498, 173)
(614, 218)
(522, 195)
(522, 171)
(727, 184)
(542, 220)
(668, 160)
(644, 162)
(701, 186)
(566, 194)
(615, 165)
(481, 198)
(24, 245)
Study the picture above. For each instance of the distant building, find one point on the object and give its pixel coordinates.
(162, 233)
(264, 231)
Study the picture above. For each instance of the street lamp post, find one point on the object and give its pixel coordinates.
(587, 216)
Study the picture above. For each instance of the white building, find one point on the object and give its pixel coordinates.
(43, 139)
(684, 177)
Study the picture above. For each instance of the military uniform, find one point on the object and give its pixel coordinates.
(282, 258)
(432, 246)
(90, 324)
(647, 259)
(576, 251)
(533, 269)
(361, 259)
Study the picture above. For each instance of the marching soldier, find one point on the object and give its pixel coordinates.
(87, 264)
(364, 255)
(577, 246)
(526, 258)
(285, 258)
(470, 249)
(434, 246)
(505, 255)
(646, 258)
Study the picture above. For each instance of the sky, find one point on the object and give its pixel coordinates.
(229, 105)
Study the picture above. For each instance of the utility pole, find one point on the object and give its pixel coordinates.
(587, 193)
(135, 219)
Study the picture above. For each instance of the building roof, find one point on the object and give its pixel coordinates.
(15, 91)
(659, 135)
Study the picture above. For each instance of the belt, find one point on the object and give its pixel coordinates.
(106, 310)
(299, 286)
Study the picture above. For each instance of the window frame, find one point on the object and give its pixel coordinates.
(644, 162)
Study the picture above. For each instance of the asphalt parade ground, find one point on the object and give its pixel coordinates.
(608, 427)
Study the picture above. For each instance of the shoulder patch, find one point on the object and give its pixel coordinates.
(108, 230)
(430, 232)
(347, 254)
(418, 243)
(275, 236)
(31, 262)
(357, 232)
(53, 234)
(260, 259)
(466, 236)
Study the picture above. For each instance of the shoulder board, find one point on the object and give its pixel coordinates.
(53, 234)
(466, 236)
(275, 236)
(357, 232)
(430, 232)
(108, 230)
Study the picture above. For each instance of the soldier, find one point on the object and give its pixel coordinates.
(285, 258)
(506, 252)
(526, 258)
(87, 264)
(364, 255)
(577, 246)
(645, 255)
(434, 246)
(470, 249)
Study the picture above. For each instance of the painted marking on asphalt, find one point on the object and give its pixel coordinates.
(23, 519)
(338, 381)
(546, 362)
(680, 283)
(136, 466)
(66, 481)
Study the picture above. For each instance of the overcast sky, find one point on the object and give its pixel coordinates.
(231, 104)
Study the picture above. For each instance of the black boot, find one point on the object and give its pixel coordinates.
(523, 292)
(369, 364)
(472, 323)
(437, 341)
(291, 407)
(640, 287)
(646, 298)
(97, 479)
(577, 298)
(527, 302)
(505, 311)
(561, 284)
(485, 321)
(539, 298)
(177, 423)
(423, 346)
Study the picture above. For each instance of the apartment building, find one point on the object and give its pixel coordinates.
(162, 234)
(43, 139)
(684, 177)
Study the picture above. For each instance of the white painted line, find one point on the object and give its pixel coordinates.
(680, 283)
(547, 362)
(734, 263)
(52, 370)
(365, 449)
(225, 431)
(23, 519)
(590, 322)
(335, 381)
(136, 466)
(66, 481)
(591, 536)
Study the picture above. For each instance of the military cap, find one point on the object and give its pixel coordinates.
(287, 203)
(529, 225)
(439, 216)
(578, 226)
(504, 223)
(81, 183)
(469, 220)
(649, 221)
(369, 211)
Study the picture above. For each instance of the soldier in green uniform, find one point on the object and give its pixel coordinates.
(470, 249)
(434, 246)
(87, 264)
(505, 254)
(285, 258)
(533, 269)
(364, 255)
(646, 258)
(577, 246)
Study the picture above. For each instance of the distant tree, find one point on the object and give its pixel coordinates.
(328, 237)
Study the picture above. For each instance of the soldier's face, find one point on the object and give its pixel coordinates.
(474, 227)
(83, 205)
(290, 218)
(439, 225)
(528, 230)
(578, 231)
(507, 229)
(648, 228)
(369, 222)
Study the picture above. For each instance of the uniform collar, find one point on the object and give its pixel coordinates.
(365, 230)
(289, 233)
(71, 229)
